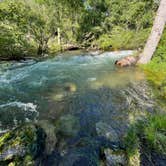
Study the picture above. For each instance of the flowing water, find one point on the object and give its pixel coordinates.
(86, 98)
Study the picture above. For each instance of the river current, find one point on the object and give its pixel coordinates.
(85, 94)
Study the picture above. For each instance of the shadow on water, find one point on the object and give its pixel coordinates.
(97, 119)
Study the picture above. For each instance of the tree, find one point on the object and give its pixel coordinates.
(156, 33)
(34, 21)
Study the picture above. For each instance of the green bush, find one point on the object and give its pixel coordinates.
(120, 38)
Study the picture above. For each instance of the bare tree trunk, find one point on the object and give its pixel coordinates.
(59, 36)
(156, 33)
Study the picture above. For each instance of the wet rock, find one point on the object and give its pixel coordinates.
(68, 125)
(51, 139)
(127, 61)
(107, 131)
(85, 156)
(70, 87)
(22, 141)
(115, 158)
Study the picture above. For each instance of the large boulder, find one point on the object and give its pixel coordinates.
(127, 61)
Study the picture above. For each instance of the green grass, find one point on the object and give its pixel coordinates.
(156, 69)
(131, 142)
(155, 133)
(152, 130)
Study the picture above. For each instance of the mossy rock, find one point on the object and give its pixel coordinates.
(70, 87)
(18, 144)
(115, 158)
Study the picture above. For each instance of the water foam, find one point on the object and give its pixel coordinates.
(25, 106)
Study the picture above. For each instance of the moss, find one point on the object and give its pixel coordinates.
(28, 160)
(26, 143)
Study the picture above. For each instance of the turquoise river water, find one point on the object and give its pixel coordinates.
(86, 95)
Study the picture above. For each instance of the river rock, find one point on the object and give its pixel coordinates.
(21, 142)
(115, 158)
(68, 125)
(127, 61)
(70, 87)
(58, 97)
(107, 131)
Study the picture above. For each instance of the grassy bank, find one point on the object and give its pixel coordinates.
(156, 69)
(146, 140)
(148, 136)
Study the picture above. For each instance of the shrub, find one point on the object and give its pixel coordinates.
(121, 38)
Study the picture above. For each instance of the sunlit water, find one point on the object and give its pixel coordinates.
(86, 91)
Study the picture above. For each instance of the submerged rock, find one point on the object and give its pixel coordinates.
(58, 97)
(21, 142)
(51, 139)
(107, 131)
(70, 87)
(68, 125)
(115, 158)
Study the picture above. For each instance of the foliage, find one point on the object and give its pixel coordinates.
(125, 24)
(120, 38)
(30, 24)
(152, 130)
(26, 142)
(29, 28)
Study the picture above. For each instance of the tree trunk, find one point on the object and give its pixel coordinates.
(59, 36)
(156, 33)
(42, 49)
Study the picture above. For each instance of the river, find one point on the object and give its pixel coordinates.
(84, 94)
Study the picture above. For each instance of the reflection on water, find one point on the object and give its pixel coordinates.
(83, 102)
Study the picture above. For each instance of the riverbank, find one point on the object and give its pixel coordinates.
(148, 136)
